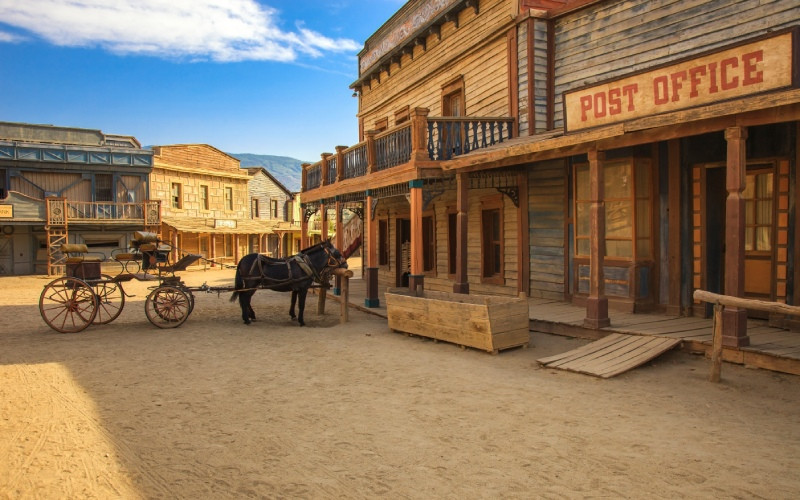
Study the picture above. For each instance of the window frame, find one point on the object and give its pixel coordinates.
(203, 197)
(273, 208)
(255, 213)
(176, 200)
(489, 205)
(453, 88)
(227, 196)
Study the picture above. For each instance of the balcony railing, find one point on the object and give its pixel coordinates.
(449, 137)
(60, 212)
(421, 138)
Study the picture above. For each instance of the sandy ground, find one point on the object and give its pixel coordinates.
(218, 409)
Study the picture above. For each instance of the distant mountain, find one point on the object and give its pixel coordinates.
(287, 170)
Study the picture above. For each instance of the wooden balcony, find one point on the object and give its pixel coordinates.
(62, 212)
(411, 150)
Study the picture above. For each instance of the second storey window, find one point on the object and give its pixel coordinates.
(103, 187)
(254, 208)
(204, 197)
(229, 198)
(176, 198)
(273, 209)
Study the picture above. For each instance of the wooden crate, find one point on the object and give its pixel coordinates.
(480, 321)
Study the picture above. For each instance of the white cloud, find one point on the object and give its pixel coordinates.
(218, 30)
(6, 37)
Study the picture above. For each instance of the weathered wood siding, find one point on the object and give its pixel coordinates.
(532, 84)
(264, 189)
(547, 202)
(477, 49)
(611, 39)
(439, 280)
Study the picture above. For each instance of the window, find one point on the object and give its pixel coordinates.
(203, 197)
(273, 209)
(452, 241)
(381, 125)
(401, 115)
(492, 241)
(383, 243)
(758, 212)
(453, 98)
(176, 195)
(229, 199)
(428, 244)
(204, 246)
(627, 197)
(254, 214)
(103, 187)
(227, 245)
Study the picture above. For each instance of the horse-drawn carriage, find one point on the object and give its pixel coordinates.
(86, 295)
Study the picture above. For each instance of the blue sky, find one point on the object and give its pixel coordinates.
(245, 76)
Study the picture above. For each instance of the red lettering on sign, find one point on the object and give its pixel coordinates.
(712, 72)
(694, 79)
(628, 91)
(660, 90)
(600, 105)
(586, 105)
(751, 73)
(728, 84)
(614, 102)
(677, 78)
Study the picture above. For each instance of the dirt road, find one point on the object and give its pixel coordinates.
(218, 409)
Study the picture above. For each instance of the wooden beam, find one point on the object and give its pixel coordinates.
(674, 226)
(461, 284)
(597, 302)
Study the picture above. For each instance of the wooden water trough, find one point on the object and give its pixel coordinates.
(484, 322)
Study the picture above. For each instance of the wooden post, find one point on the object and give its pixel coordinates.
(597, 302)
(735, 319)
(716, 344)
(371, 154)
(213, 249)
(323, 230)
(461, 284)
(324, 169)
(674, 226)
(339, 242)
(416, 278)
(340, 162)
(303, 228)
(323, 293)
(419, 133)
(371, 233)
(523, 243)
(344, 275)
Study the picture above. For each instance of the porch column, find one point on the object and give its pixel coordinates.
(174, 242)
(597, 303)
(303, 228)
(416, 278)
(338, 242)
(213, 249)
(236, 248)
(734, 319)
(674, 227)
(462, 205)
(323, 230)
(371, 233)
(523, 232)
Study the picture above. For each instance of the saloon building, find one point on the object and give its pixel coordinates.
(69, 185)
(614, 154)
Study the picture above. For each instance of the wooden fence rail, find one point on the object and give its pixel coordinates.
(720, 302)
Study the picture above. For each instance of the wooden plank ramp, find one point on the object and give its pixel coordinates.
(613, 354)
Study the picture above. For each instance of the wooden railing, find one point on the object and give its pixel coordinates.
(101, 210)
(720, 301)
(393, 148)
(420, 138)
(449, 137)
(355, 161)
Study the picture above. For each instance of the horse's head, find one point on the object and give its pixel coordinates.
(335, 257)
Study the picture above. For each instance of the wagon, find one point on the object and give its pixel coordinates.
(86, 296)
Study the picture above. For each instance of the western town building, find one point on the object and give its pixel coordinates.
(207, 208)
(69, 185)
(614, 154)
(273, 204)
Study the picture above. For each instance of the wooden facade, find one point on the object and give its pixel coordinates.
(205, 203)
(271, 201)
(67, 185)
(618, 154)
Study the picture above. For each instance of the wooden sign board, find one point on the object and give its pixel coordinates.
(749, 68)
(6, 211)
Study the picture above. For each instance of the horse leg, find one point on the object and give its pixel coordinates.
(244, 302)
(291, 308)
(302, 292)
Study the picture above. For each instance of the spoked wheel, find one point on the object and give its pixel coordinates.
(167, 307)
(110, 300)
(68, 305)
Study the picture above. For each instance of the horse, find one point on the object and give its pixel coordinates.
(294, 274)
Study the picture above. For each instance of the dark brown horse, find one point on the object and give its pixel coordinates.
(294, 274)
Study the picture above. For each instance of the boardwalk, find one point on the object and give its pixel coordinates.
(770, 348)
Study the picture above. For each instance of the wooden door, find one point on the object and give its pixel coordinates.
(6, 256)
(759, 234)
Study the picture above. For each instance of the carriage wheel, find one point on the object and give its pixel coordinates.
(68, 305)
(110, 300)
(167, 307)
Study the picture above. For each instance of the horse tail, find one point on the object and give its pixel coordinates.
(238, 284)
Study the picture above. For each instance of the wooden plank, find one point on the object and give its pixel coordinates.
(602, 356)
(645, 356)
(585, 350)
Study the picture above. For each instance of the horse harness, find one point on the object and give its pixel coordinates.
(303, 262)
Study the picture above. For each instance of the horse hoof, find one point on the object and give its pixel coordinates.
(246, 322)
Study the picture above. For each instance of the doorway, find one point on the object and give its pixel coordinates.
(403, 252)
(714, 209)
